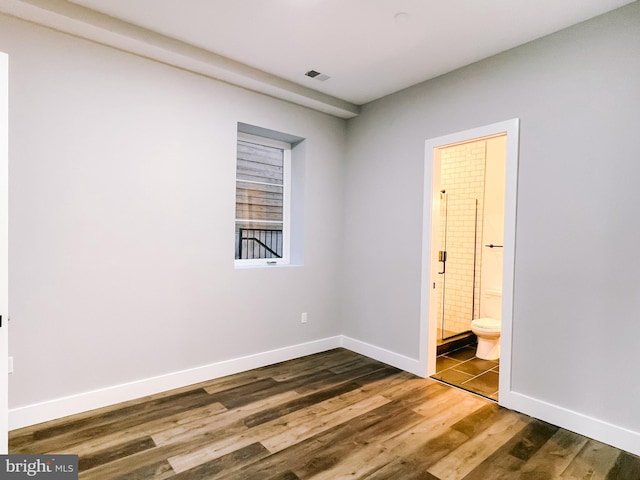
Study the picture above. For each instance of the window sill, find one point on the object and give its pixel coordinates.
(277, 265)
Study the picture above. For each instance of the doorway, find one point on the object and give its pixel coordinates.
(468, 246)
(468, 242)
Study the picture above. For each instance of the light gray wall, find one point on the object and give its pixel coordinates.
(576, 333)
(122, 218)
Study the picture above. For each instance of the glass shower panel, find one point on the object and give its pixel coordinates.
(459, 239)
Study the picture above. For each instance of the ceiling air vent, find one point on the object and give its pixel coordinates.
(317, 75)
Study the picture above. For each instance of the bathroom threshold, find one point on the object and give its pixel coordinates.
(461, 368)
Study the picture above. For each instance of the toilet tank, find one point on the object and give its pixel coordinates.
(491, 304)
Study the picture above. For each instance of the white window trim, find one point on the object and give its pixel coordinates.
(286, 207)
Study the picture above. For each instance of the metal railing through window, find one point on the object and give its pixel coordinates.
(258, 243)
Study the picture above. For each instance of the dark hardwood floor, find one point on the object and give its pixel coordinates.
(333, 415)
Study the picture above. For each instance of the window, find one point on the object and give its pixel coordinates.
(263, 186)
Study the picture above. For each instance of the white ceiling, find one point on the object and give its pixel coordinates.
(368, 48)
(358, 43)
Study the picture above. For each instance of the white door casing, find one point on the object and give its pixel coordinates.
(428, 327)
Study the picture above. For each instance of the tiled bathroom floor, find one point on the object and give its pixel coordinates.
(463, 369)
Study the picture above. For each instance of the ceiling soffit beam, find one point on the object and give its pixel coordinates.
(100, 28)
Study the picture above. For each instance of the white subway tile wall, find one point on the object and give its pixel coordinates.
(462, 175)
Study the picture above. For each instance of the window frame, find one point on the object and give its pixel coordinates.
(286, 202)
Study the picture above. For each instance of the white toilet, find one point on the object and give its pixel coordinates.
(487, 328)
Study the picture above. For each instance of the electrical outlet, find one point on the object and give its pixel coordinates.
(10, 366)
(303, 317)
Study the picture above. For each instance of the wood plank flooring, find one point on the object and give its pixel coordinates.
(333, 415)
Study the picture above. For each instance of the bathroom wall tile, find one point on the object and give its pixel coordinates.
(462, 176)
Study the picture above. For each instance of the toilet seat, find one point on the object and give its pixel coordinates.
(488, 324)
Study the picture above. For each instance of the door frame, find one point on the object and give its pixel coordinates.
(4, 250)
(428, 308)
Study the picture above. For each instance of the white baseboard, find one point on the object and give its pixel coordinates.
(407, 364)
(82, 402)
(32, 414)
(608, 433)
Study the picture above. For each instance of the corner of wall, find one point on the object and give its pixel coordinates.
(85, 401)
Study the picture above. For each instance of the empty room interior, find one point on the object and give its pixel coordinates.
(302, 239)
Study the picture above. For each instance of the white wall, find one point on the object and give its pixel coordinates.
(576, 332)
(493, 228)
(122, 217)
(4, 247)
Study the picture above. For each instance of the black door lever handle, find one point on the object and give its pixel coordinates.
(442, 257)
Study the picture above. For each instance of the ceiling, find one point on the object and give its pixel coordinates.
(368, 48)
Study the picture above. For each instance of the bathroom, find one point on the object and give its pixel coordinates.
(469, 251)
